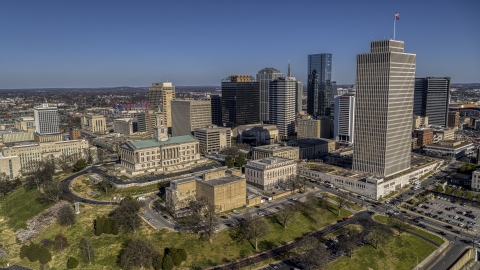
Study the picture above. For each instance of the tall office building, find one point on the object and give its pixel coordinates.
(264, 77)
(431, 98)
(344, 118)
(216, 102)
(188, 115)
(319, 87)
(383, 109)
(160, 97)
(282, 105)
(46, 120)
(240, 100)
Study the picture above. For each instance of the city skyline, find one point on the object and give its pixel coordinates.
(88, 44)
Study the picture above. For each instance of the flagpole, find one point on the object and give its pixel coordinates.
(394, 22)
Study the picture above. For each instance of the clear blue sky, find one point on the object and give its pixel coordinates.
(134, 43)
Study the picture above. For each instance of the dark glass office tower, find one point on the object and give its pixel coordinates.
(319, 86)
(240, 100)
(431, 99)
(216, 102)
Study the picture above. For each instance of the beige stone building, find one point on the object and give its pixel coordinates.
(314, 128)
(10, 166)
(313, 148)
(94, 124)
(17, 137)
(160, 154)
(275, 150)
(160, 96)
(419, 122)
(42, 138)
(187, 115)
(34, 152)
(124, 126)
(443, 134)
(269, 172)
(24, 122)
(213, 138)
(222, 189)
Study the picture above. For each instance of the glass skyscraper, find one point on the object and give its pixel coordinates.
(240, 100)
(431, 98)
(319, 86)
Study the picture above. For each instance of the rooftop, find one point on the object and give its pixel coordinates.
(274, 147)
(269, 161)
(154, 143)
(222, 180)
(450, 146)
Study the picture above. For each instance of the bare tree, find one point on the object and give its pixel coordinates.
(292, 182)
(399, 224)
(105, 185)
(64, 162)
(138, 253)
(254, 228)
(52, 192)
(378, 235)
(285, 216)
(349, 241)
(87, 250)
(210, 221)
(126, 215)
(311, 253)
(342, 201)
(42, 173)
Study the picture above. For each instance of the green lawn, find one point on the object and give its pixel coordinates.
(423, 233)
(83, 187)
(20, 206)
(201, 254)
(399, 252)
(353, 206)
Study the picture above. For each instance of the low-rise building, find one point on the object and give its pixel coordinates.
(366, 185)
(16, 137)
(450, 148)
(222, 189)
(275, 150)
(419, 122)
(476, 180)
(256, 134)
(444, 134)
(94, 124)
(125, 126)
(213, 138)
(160, 154)
(314, 128)
(31, 153)
(10, 166)
(75, 134)
(269, 172)
(424, 136)
(23, 123)
(313, 148)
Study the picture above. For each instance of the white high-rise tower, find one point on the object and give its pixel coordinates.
(383, 109)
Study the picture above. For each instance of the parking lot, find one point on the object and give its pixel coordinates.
(457, 215)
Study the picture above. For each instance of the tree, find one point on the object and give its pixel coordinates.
(440, 188)
(60, 242)
(183, 254)
(458, 193)
(342, 201)
(79, 165)
(176, 257)
(64, 162)
(7, 185)
(98, 224)
(51, 192)
(44, 255)
(32, 252)
(285, 216)
(349, 242)
(232, 151)
(378, 235)
(210, 221)
(126, 216)
(167, 263)
(66, 216)
(254, 228)
(138, 253)
(42, 173)
(100, 155)
(240, 160)
(108, 226)
(105, 186)
(87, 250)
(292, 182)
(229, 161)
(46, 242)
(23, 251)
(468, 195)
(449, 190)
(399, 224)
(72, 263)
(311, 253)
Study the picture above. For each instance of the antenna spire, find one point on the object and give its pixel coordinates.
(289, 71)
